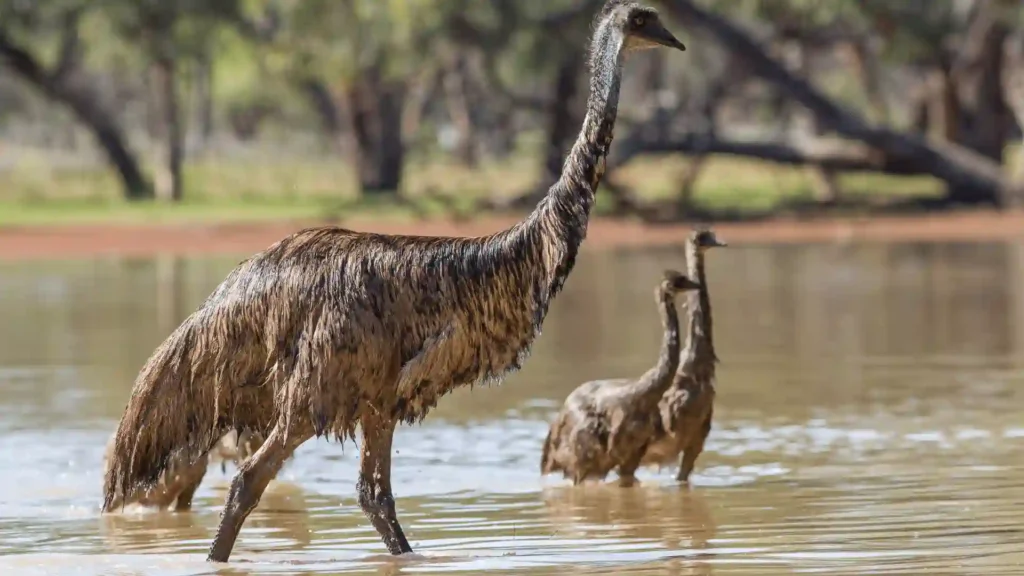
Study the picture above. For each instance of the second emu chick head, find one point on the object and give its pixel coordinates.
(704, 238)
(675, 282)
(640, 25)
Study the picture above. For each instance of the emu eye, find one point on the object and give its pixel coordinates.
(638, 21)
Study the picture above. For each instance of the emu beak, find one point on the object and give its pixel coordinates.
(721, 243)
(662, 36)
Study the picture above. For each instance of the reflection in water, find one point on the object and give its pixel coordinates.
(677, 517)
(282, 521)
(868, 420)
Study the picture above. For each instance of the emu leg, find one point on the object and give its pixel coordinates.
(187, 482)
(188, 490)
(163, 494)
(693, 450)
(374, 486)
(248, 485)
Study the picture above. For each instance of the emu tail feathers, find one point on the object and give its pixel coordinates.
(170, 417)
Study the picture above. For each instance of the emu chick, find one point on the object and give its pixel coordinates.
(687, 408)
(607, 424)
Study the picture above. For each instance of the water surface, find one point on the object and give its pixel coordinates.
(869, 420)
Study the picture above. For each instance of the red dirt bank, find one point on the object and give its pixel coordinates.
(83, 241)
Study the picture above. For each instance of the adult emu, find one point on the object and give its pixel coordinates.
(330, 328)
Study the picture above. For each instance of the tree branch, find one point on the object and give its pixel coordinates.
(831, 155)
(953, 164)
(24, 64)
(85, 107)
(70, 45)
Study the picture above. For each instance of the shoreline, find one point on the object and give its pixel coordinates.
(38, 242)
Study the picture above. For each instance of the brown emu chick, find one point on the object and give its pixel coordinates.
(687, 407)
(605, 425)
(330, 328)
(179, 482)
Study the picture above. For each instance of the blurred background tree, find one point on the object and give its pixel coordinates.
(777, 105)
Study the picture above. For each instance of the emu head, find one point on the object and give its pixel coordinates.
(640, 25)
(675, 282)
(704, 238)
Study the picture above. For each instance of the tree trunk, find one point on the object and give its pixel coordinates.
(824, 181)
(374, 106)
(326, 107)
(83, 103)
(170, 149)
(989, 124)
(204, 97)
(1013, 90)
(457, 98)
(420, 94)
(865, 64)
(688, 181)
(498, 137)
(943, 106)
(563, 119)
(976, 81)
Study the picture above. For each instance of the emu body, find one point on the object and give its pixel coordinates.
(605, 425)
(331, 328)
(686, 409)
(181, 478)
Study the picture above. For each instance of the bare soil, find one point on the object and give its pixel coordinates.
(85, 241)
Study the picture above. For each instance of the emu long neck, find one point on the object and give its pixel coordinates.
(584, 166)
(564, 213)
(699, 355)
(654, 384)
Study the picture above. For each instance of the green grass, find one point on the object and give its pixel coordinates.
(247, 191)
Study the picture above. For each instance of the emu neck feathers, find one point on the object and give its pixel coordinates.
(564, 213)
(700, 348)
(650, 388)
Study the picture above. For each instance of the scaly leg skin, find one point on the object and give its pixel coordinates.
(374, 485)
(248, 485)
(692, 451)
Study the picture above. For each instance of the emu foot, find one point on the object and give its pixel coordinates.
(379, 508)
(381, 513)
(397, 544)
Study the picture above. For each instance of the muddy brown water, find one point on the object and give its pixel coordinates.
(870, 420)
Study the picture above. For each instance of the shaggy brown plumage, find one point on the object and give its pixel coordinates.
(687, 407)
(180, 480)
(330, 328)
(605, 425)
